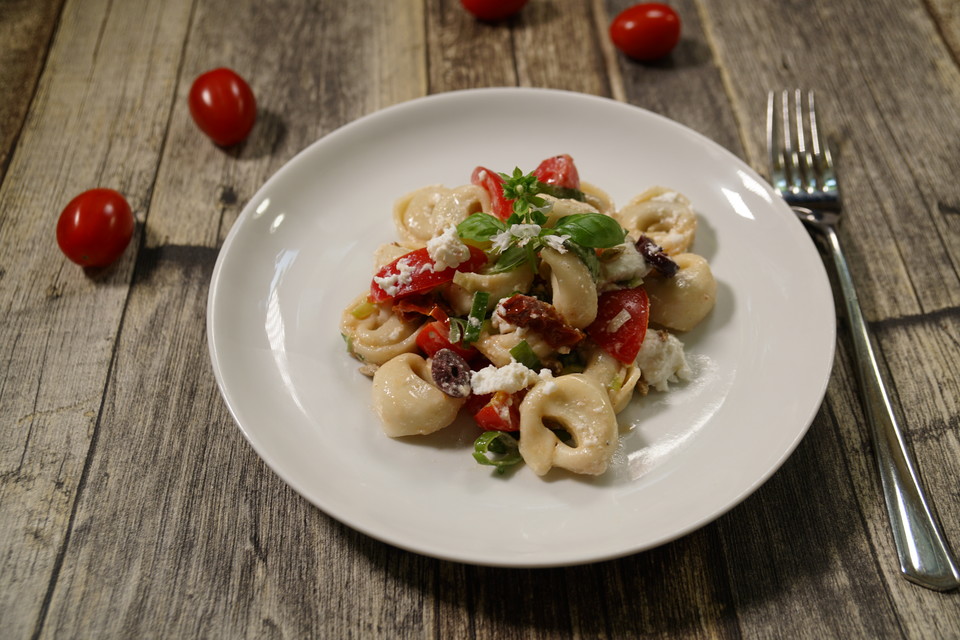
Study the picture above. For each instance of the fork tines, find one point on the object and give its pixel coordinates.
(801, 171)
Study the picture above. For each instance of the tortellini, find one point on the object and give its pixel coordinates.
(407, 401)
(683, 301)
(426, 212)
(664, 216)
(577, 405)
(619, 379)
(378, 334)
(573, 288)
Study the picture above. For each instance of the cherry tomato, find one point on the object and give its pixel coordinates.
(413, 273)
(435, 336)
(493, 10)
(646, 31)
(501, 413)
(559, 171)
(492, 182)
(223, 106)
(621, 322)
(95, 227)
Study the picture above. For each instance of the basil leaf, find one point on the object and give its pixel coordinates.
(480, 227)
(587, 257)
(562, 193)
(593, 230)
(510, 259)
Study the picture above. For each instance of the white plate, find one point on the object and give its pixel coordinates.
(302, 249)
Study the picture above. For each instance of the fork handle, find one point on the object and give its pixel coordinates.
(925, 557)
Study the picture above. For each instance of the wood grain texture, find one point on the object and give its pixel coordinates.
(131, 505)
(26, 27)
(107, 81)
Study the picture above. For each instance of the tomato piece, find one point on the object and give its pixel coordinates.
(560, 171)
(435, 336)
(493, 10)
(542, 317)
(646, 31)
(413, 273)
(223, 106)
(621, 322)
(95, 227)
(492, 182)
(501, 413)
(422, 305)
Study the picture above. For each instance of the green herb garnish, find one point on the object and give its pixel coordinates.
(519, 239)
(505, 450)
(523, 353)
(478, 311)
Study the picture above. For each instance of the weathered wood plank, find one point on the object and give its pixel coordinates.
(686, 86)
(26, 27)
(325, 65)
(97, 119)
(892, 131)
(226, 548)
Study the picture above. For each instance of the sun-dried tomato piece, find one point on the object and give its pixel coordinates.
(542, 317)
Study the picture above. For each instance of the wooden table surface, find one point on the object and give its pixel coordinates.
(131, 505)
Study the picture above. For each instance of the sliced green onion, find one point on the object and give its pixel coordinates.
(523, 353)
(363, 310)
(457, 328)
(478, 311)
(505, 449)
(616, 384)
(349, 342)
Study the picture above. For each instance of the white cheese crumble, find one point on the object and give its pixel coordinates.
(392, 282)
(524, 232)
(556, 242)
(447, 250)
(509, 378)
(628, 265)
(666, 196)
(661, 360)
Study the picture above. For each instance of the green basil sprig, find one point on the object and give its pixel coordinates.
(592, 230)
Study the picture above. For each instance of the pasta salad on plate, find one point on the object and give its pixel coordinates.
(533, 304)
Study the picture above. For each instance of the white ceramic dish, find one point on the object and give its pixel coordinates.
(302, 249)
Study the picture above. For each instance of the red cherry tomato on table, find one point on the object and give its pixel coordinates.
(647, 31)
(95, 227)
(223, 106)
(493, 9)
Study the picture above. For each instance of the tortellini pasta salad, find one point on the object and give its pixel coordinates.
(532, 304)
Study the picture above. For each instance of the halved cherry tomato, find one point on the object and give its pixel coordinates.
(223, 106)
(95, 227)
(493, 9)
(492, 182)
(621, 322)
(413, 273)
(647, 31)
(501, 413)
(560, 171)
(435, 336)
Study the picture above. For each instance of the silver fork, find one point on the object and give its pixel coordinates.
(804, 175)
